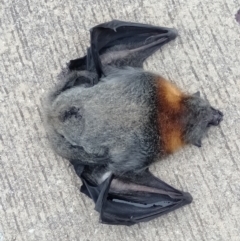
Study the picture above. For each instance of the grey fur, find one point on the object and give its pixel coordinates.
(113, 124)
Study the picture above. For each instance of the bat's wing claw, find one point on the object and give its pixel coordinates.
(77, 64)
(173, 33)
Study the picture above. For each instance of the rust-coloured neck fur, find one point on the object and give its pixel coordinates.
(170, 111)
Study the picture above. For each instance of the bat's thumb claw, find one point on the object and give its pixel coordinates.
(187, 197)
(173, 33)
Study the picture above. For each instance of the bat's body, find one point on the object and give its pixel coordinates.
(128, 120)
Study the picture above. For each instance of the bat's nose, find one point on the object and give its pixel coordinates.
(217, 117)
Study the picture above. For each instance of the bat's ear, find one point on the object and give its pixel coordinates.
(197, 94)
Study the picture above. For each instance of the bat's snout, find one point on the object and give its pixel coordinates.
(217, 117)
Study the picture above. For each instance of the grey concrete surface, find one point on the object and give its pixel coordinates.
(39, 192)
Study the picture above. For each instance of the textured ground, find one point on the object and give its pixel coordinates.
(39, 197)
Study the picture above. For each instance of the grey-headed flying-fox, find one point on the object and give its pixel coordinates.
(114, 119)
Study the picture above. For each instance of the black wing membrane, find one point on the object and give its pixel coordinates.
(128, 201)
(121, 44)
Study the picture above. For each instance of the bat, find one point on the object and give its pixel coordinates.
(112, 119)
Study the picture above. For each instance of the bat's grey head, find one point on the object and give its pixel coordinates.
(200, 116)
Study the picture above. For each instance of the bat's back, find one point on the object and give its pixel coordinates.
(114, 116)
